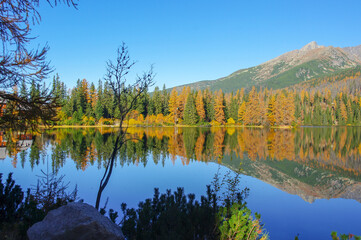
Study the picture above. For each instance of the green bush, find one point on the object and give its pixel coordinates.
(18, 213)
(106, 122)
(335, 236)
(237, 222)
(177, 216)
(172, 216)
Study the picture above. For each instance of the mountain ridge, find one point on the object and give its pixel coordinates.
(290, 68)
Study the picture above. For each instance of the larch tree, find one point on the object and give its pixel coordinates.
(173, 105)
(219, 107)
(200, 106)
(252, 114)
(271, 110)
(242, 112)
(343, 112)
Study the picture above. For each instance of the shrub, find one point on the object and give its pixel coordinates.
(18, 213)
(171, 216)
(335, 236)
(177, 216)
(237, 222)
(214, 123)
(230, 121)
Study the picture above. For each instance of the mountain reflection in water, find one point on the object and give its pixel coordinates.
(314, 163)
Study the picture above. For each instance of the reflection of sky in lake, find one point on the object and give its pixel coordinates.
(284, 215)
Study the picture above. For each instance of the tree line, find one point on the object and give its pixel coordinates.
(336, 103)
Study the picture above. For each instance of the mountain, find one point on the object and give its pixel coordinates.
(296, 178)
(311, 61)
(354, 51)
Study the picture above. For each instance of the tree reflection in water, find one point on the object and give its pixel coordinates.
(317, 159)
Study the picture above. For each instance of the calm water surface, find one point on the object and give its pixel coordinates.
(305, 181)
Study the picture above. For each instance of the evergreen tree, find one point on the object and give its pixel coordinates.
(190, 112)
(233, 110)
(157, 101)
(99, 107)
(209, 105)
(108, 101)
(165, 100)
(142, 103)
(34, 90)
(23, 90)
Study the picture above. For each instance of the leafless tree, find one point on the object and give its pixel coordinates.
(125, 98)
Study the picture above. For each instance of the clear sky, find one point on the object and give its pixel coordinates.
(189, 41)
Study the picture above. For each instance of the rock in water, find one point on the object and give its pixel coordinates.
(75, 221)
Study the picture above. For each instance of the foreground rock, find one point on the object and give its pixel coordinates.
(75, 221)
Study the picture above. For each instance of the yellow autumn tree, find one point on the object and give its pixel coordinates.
(200, 106)
(182, 100)
(343, 111)
(219, 107)
(271, 111)
(252, 114)
(173, 105)
(289, 109)
(241, 112)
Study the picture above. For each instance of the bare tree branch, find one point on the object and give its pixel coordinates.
(18, 64)
(125, 100)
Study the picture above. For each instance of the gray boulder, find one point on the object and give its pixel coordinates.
(75, 221)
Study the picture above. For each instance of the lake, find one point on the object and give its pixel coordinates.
(304, 181)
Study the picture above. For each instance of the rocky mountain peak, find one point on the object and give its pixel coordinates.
(310, 46)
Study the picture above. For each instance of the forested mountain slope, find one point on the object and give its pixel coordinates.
(311, 61)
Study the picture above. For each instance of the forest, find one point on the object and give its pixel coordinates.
(331, 100)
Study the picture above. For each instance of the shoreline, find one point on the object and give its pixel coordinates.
(183, 126)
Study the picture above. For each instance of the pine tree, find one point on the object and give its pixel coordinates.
(108, 101)
(233, 109)
(190, 112)
(157, 101)
(99, 107)
(142, 103)
(209, 105)
(23, 90)
(34, 90)
(165, 100)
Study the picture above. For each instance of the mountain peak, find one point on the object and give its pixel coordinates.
(310, 46)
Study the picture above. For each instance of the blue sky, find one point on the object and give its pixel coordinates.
(189, 41)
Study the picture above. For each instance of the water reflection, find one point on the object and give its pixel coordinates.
(310, 162)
